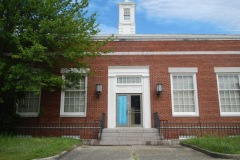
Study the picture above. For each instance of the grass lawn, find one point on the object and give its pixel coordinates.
(12, 148)
(228, 145)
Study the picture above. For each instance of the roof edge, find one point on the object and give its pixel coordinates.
(164, 37)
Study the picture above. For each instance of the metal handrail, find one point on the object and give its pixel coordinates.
(156, 121)
(102, 125)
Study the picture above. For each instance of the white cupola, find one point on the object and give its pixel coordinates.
(126, 18)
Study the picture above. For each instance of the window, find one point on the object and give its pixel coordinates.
(126, 13)
(228, 91)
(127, 80)
(29, 105)
(73, 99)
(184, 92)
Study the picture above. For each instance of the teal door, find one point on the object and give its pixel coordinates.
(129, 110)
(122, 119)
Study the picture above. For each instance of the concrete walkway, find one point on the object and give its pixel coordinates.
(134, 153)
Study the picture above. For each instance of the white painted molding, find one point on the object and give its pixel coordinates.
(75, 70)
(227, 69)
(128, 67)
(28, 114)
(183, 70)
(128, 70)
(169, 37)
(175, 53)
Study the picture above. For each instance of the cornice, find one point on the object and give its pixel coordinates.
(164, 37)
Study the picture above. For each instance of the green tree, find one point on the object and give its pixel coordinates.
(37, 38)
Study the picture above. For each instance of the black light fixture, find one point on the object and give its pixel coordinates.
(99, 89)
(159, 89)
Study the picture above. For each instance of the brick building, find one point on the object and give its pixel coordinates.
(197, 76)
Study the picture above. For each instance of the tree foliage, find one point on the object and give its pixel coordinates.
(38, 37)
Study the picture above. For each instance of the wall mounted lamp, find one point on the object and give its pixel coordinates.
(159, 89)
(99, 89)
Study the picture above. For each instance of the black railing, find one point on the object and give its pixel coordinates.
(179, 130)
(102, 126)
(87, 130)
(174, 130)
(156, 121)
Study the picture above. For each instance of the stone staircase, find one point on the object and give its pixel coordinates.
(130, 136)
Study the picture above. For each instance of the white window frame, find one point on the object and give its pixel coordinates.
(189, 71)
(73, 114)
(29, 114)
(226, 71)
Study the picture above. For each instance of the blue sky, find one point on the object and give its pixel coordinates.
(173, 16)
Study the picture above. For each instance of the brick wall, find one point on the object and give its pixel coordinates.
(183, 45)
(158, 64)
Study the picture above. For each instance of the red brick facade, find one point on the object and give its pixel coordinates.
(207, 90)
(174, 45)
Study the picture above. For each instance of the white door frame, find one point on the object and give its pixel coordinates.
(143, 88)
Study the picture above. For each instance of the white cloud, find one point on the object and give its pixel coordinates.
(223, 13)
(104, 29)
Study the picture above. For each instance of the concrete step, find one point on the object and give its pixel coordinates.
(116, 143)
(130, 136)
(130, 130)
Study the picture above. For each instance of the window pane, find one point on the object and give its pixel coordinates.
(66, 108)
(176, 108)
(82, 84)
(77, 108)
(82, 108)
(77, 101)
(71, 108)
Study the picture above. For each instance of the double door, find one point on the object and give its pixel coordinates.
(129, 110)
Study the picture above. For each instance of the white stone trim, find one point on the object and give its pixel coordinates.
(114, 89)
(128, 67)
(175, 53)
(76, 70)
(229, 114)
(182, 70)
(166, 37)
(28, 114)
(128, 71)
(227, 69)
